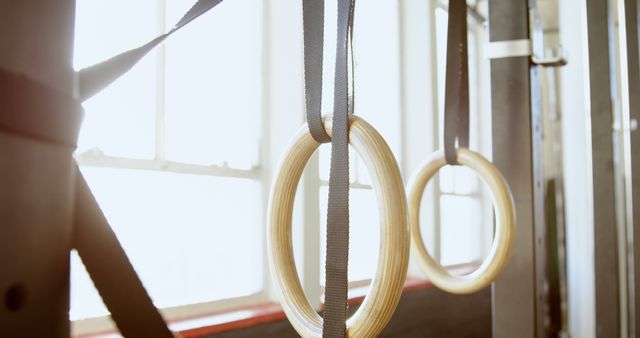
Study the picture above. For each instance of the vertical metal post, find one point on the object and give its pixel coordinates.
(607, 290)
(515, 292)
(619, 109)
(632, 86)
(539, 215)
(36, 178)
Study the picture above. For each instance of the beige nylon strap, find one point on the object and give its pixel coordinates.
(93, 79)
(456, 92)
(98, 247)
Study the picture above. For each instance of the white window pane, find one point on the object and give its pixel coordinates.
(461, 235)
(214, 85)
(120, 120)
(324, 161)
(377, 73)
(360, 169)
(364, 233)
(182, 233)
(106, 28)
(441, 58)
(85, 300)
(465, 180)
(446, 176)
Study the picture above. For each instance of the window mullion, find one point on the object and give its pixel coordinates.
(437, 191)
(160, 127)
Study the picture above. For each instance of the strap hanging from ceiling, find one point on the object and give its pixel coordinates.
(93, 79)
(313, 22)
(336, 283)
(130, 307)
(456, 91)
(456, 152)
(56, 117)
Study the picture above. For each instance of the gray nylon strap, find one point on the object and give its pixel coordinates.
(93, 79)
(336, 283)
(313, 25)
(456, 92)
(110, 269)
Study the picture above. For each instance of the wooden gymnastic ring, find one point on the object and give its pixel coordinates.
(386, 287)
(504, 230)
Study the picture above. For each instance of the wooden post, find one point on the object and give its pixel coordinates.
(36, 178)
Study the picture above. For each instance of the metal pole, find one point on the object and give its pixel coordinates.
(607, 290)
(632, 86)
(516, 154)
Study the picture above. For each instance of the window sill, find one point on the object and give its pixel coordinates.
(268, 312)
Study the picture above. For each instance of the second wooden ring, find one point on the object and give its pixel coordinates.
(504, 229)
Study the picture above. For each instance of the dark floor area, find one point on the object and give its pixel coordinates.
(428, 312)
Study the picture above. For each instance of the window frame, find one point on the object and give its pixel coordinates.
(282, 114)
(94, 157)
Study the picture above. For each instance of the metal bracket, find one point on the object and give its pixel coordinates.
(558, 60)
(633, 126)
(518, 48)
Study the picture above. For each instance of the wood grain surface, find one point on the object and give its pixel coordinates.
(378, 307)
(504, 229)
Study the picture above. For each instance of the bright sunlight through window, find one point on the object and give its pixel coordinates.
(163, 151)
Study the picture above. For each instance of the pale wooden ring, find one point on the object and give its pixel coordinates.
(504, 230)
(386, 287)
